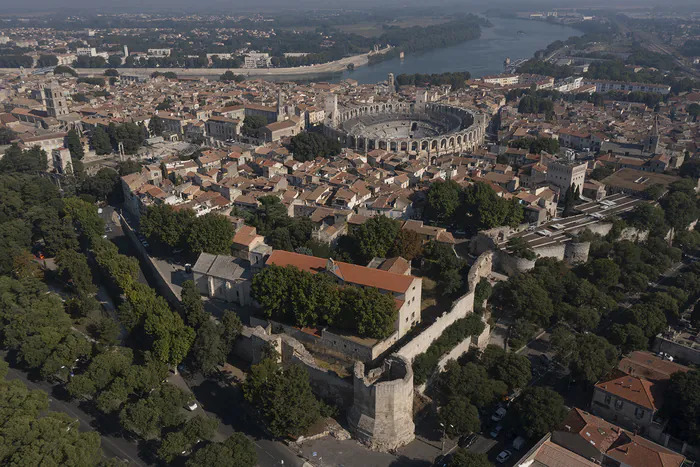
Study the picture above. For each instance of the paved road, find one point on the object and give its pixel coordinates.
(225, 403)
(112, 446)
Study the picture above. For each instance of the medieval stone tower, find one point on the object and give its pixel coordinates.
(382, 411)
(651, 145)
(55, 100)
(332, 109)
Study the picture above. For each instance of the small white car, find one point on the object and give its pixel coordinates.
(503, 456)
(499, 414)
(192, 406)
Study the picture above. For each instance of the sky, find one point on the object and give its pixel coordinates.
(233, 6)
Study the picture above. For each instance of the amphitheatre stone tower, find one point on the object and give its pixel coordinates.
(382, 412)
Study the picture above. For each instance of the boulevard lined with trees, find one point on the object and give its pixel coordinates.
(114, 368)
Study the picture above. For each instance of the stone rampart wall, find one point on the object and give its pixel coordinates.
(460, 308)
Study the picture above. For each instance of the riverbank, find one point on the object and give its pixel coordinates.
(337, 66)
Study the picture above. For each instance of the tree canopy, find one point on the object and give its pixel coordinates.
(538, 410)
(307, 146)
(283, 396)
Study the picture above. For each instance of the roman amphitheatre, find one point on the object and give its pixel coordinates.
(406, 127)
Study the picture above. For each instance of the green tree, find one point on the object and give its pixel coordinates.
(444, 266)
(529, 300)
(47, 61)
(628, 337)
(459, 417)
(236, 451)
(162, 223)
(470, 381)
(603, 273)
(648, 317)
(7, 135)
(509, 367)
(160, 410)
(101, 185)
(680, 210)
(648, 217)
(376, 311)
(464, 458)
(74, 145)
(283, 397)
(209, 350)
(85, 216)
(114, 61)
(252, 126)
(538, 410)
(156, 126)
(442, 202)
(210, 233)
(229, 77)
(194, 430)
(231, 329)
(192, 304)
(681, 406)
(593, 356)
(408, 245)
(376, 237)
(99, 141)
(171, 337)
(483, 209)
(599, 173)
(690, 167)
(28, 161)
(307, 146)
(74, 269)
(128, 167)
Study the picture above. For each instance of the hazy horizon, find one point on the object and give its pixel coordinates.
(276, 6)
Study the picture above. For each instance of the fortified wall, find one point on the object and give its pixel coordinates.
(461, 307)
(250, 346)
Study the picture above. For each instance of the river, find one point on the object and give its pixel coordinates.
(482, 56)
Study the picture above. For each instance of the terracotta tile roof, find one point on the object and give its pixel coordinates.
(648, 365)
(636, 451)
(553, 455)
(396, 265)
(631, 388)
(245, 235)
(349, 273)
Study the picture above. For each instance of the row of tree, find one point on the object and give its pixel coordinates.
(465, 392)
(305, 299)
(474, 208)
(210, 233)
(307, 146)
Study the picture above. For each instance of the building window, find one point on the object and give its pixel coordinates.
(639, 413)
(618, 404)
(608, 399)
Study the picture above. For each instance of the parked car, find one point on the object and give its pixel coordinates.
(442, 461)
(499, 414)
(503, 456)
(467, 440)
(518, 443)
(496, 431)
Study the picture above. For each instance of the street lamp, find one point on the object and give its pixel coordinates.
(444, 429)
